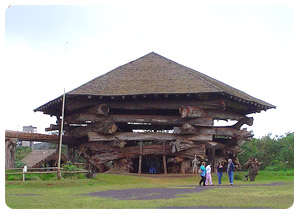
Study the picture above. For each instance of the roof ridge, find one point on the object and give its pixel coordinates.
(194, 73)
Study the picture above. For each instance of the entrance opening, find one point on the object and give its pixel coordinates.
(151, 164)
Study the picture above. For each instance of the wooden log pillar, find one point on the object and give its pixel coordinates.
(184, 165)
(164, 158)
(71, 153)
(140, 158)
(213, 156)
(10, 148)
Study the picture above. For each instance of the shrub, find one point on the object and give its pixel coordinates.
(70, 167)
(47, 177)
(238, 176)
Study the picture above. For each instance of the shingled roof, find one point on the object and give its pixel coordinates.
(155, 74)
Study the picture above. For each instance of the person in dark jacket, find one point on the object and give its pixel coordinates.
(230, 170)
(220, 169)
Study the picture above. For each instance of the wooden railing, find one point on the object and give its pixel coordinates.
(39, 171)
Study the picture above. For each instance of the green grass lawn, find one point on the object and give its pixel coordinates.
(65, 193)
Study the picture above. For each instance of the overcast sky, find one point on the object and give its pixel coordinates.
(252, 46)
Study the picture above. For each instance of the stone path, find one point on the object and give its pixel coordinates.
(161, 193)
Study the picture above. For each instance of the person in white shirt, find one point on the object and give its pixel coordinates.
(208, 175)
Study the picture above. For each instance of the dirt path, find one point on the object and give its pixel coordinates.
(161, 193)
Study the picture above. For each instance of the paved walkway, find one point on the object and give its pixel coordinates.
(161, 193)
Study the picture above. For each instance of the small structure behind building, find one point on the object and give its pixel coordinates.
(42, 158)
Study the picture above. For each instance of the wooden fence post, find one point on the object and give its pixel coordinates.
(24, 170)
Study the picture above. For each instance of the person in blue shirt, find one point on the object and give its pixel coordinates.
(230, 170)
(202, 173)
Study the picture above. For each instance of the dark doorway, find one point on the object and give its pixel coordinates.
(151, 164)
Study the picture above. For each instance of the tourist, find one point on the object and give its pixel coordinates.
(220, 170)
(202, 173)
(208, 175)
(230, 170)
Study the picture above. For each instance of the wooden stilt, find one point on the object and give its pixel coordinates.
(71, 153)
(182, 167)
(10, 148)
(140, 158)
(164, 158)
(213, 155)
(165, 164)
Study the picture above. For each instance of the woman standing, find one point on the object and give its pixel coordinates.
(202, 173)
(208, 175)
(220, 169)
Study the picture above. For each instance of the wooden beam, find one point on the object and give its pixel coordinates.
(107, 127)
(78, 118)
(102, 109)
(53, 127)
(125, 118)
(38, 137)
(215, 131)
(194, 112)
(31, 136)
(144, 136)
(246, 120)
(76, 104)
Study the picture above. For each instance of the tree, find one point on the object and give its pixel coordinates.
(276, 153)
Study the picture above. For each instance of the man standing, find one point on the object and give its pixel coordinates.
(230, 170)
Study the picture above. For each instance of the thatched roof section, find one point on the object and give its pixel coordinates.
(155, 74)
(37, 157)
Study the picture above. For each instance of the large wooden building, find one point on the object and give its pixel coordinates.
(154, 112)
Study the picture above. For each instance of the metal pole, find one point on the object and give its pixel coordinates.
(61, 135)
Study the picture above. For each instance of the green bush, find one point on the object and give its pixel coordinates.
(70, 167)
(238, 176)
(80, 176)
(32, 177)
(47, 177)
(14, 177)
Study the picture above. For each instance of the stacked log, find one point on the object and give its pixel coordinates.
(113, 131)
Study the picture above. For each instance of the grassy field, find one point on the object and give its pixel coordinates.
(65, 193)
